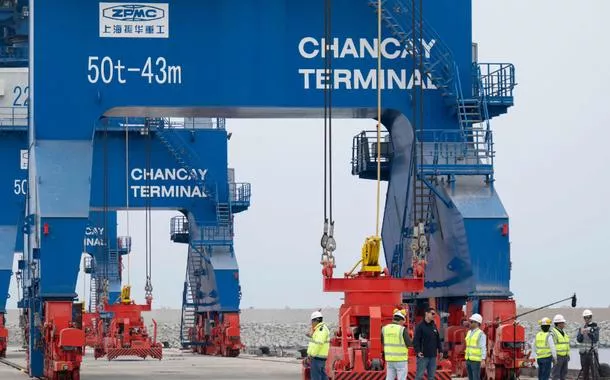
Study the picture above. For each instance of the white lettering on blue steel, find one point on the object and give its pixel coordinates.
(20, 185)
(23, 159)
(192, 190)
(154, 70)
(94, 237)
(348, 79)
(134, 20)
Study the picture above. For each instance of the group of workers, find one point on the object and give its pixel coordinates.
(395, 340)
(551, 346)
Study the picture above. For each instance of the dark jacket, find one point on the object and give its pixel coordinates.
(427, 339)
(592, 336)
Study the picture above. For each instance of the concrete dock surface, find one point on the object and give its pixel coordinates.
(175, 365)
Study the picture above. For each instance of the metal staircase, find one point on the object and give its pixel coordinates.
(177, 148)
(223, 214)
(113, 267)
(188, 161)
(423, 211)
(424, 201)
(192, 293)
(187, 321)
(93, 294)
(439, 65)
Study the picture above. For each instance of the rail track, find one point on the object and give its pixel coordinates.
(15, 366)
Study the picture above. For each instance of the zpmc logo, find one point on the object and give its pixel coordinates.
(133, 12)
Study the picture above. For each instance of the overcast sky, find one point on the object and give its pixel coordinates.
(552, 159)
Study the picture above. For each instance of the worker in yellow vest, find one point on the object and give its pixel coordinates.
(319, 344)
(562, 345)
(395, 340)
(543, 349)
(476, 348)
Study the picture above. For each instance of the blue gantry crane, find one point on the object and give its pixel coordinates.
(13, 113)
(132, 69)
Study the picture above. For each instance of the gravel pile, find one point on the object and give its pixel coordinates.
(289, 336)
(292, 335)
(13, 329)
(289, 332)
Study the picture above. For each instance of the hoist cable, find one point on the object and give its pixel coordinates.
(148, 244)
(414, 113)
(423, 76)
(328, 129)
(330, 85)
(127, 196)
(324, 54)
(378, 118)
(105, 247)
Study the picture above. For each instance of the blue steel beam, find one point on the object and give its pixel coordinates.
(147, 67)
(12, 205)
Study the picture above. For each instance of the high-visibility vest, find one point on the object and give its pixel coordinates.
(473, 351)
(562, 342)
(543, 350)
(394, 345)
(319, 344)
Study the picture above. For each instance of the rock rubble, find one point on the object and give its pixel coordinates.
(292, 335)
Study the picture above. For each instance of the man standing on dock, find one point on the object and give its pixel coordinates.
(562, 344)
(476, 348)
(427, 345)
(544, 350)
(588, 338)
(318, 348)
(395, 341)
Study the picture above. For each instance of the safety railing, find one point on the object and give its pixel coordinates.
(88, 264)
(209, 234)
(8, 5)
(214, 234)
(455, 150)
(14, 117)
(239, 192)
(497, 80)
(142, 124)
(179, 225)
(124, 243)
(195, 123)
(364, 150)
(14, 53)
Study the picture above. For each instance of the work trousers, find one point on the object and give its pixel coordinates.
(474, 370)
(424, 364)
(396, 370)
(317, 369)
(544, 368)
(560, 370)
(586, 364)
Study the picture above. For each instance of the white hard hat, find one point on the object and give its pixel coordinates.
(399, 314)
(315, 315)
(477, 318)
(558, 318)
(587, 313)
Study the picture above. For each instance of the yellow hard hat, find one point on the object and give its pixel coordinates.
(545, 321)
(401, 312)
